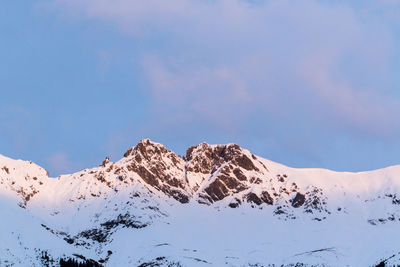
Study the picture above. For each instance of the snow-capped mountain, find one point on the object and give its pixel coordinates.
(219, 205)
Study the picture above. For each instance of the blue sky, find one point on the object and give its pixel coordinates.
(304, 83)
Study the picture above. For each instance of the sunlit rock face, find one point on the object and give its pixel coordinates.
(159, 168)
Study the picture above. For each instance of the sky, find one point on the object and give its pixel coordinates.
(311, 83)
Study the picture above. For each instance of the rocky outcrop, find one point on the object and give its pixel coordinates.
(210, 172)
(220, 170)
(159, 168)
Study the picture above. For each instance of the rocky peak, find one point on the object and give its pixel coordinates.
(220, 171)
(146, 148)
(213, 171)
(160, 168)
(148, 152)
(205, 158)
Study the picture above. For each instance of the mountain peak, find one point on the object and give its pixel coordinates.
(145, 147)
(206, 156)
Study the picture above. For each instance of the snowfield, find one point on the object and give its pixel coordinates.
(219, 205)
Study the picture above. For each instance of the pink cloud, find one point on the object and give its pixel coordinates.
(275, 57)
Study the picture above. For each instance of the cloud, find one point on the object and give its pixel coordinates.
(206, 92)
(226, 61)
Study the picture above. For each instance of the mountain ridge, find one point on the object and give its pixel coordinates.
(150, 189)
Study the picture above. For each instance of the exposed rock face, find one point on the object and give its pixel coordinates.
(224, 171)
(212, 172)
(264, 198)
(159, 168)
(206, 159)
(298, 200)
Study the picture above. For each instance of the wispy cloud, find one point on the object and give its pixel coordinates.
(288, 71)
(225, 60)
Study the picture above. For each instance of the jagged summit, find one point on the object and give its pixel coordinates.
(207, 173)
(146, 146)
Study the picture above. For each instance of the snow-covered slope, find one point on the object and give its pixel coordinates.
(218, 205)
